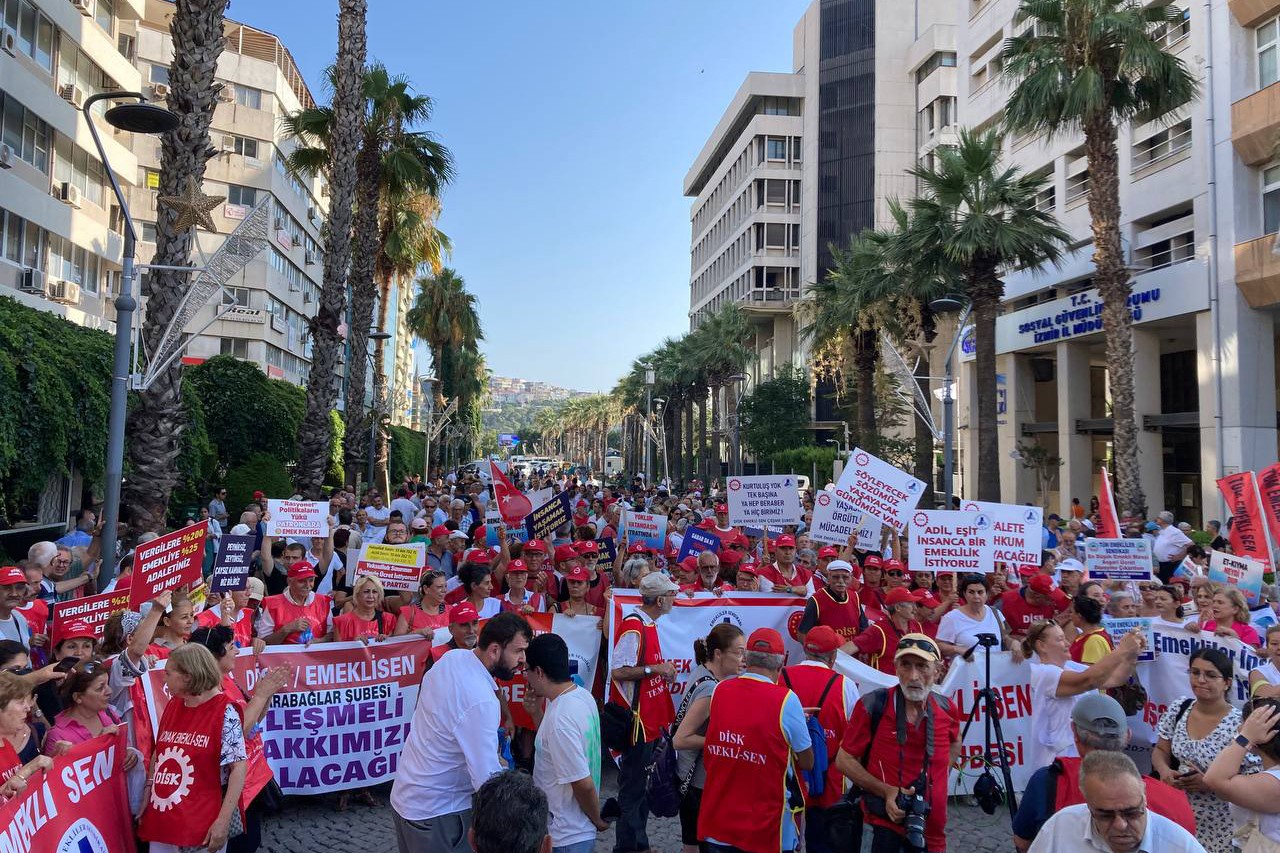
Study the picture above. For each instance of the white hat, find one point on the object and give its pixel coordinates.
(1070, 565)
(457, 534)
(240, 530)
(839, 566)
(656, 583)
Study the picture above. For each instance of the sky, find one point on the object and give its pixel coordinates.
(572, 124)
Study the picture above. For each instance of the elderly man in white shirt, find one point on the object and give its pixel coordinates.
(1170, 545)
(1114, 817)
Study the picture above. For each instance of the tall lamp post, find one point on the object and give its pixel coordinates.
(137, 117)
(949, 304)
(650, 377)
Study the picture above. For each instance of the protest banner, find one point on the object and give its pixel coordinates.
(1117, 628)
(1117, 559)
(397, 566)
(1015, 531)
(80, 805)
(513, 689)
(769, 501)
(545, 519)
(1012, 685)
(167, 562)
(342, 721)
(94, 609)
(1243, 573)
(1167, 678)
(649, 528)
(1109, 522)
(231, 566)
(1248, 533)
(1269, 490)
(696, 541)
(608, 549)
(836, 519)
(950, 541)
(876, 487)
(297, 519)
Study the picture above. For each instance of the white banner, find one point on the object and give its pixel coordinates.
(297, 518)
(764, 501)
(1241, 572)
(835, 520)
(1117, 559)
(950, 541)
(1012, 685)
(876, 487)
(1016, 531)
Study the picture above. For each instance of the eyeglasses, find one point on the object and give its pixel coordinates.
(1109, 815)
(1205, 674)
(18, 670)
(894, 574)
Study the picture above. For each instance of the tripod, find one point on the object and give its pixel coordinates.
(990, 721)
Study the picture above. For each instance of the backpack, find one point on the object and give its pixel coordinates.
(664, 788)
(815, 778)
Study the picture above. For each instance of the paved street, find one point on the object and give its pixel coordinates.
(312, 825)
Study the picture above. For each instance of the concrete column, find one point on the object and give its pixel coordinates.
(1075, 477)
(1146, 401)
(1017, 483)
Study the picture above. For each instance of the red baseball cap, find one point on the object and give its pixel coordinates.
(259, 495)
(517, 566)
(476, 555)
(749, 569)
(462, 613)
(440, 530)
(785, 541)
(900, 595)
(534, 546)
(10, 575)
(926, 598)
(586, 547)
(76, 629)
(689, 563)
(1028, 570)
(638, 548)
(766, 640)
(822, 640)
(301, 569)
(565, 553)
(722, 509)
(872, 561)
(729, 557)
(578, 573)
(1043, 584)
(828, 552)
(890, 565)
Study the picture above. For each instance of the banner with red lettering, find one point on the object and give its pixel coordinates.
(1012, 685)
(1108, 520)
(1269, 488)
(80, 806)
(167, 562)
(1248, 532)
(94, 609)
(342, 721)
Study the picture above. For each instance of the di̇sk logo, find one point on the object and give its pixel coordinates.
(862, 459)
(793, 624)
(920, 519)
(734, 485)
(982, 522)
(823, 499)
(82, 837)
(174, 775)
(727, 616)
(1030, 516)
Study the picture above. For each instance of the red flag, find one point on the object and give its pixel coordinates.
(512, 504)
(1269, 487)
(1109, 523)
(1248, 529)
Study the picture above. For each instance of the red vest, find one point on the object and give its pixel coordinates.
(439, 651)
(808, 682)
(186, 791)
(887, 633)
(259, 774)
(1163, 799)
(417, 618)
(242, 628)
(1077, 645)
(653, 697)
(349, 626)
(744, 802)
(10, 763)
(843, 617)
(284, 611)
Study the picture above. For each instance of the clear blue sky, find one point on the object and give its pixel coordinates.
(573, 124)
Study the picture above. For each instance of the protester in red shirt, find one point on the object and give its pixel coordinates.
(1035, 600)
(464, 630)
(835, 605)
(430, 612)
(707, 577)
(366, 620)
(721, 528)
(787, 576)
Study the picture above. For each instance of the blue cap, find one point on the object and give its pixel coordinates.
(1152, 527)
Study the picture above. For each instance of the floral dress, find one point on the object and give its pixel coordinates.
(1214, 822)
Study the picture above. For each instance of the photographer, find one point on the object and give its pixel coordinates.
(897, 749)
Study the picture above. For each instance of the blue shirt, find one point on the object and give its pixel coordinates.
(75, 539)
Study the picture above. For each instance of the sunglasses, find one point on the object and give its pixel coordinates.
(893, 573)
(919, 645)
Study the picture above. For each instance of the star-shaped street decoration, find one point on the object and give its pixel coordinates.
(192, 207)
(919, 347)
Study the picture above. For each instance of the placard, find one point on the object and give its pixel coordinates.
(297, 519)
(231, 566)
(876, 487)
(1117, 559)
(167, 562)
(397, 566)
(1117, 628)
(608, 549)
(544, 520)
(764, 501)
(835, 519)
(1241, 572)
(950, 541)
(645, 527)
(1015, 531)
(94, 609)
(696, 541)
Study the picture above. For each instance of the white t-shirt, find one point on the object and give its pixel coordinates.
(375, 534)
(408, 511)
(1051, 725)
(1169, 541)
(959, 628)
(568, 749)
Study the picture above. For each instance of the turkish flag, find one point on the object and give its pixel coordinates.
(512, 504)
(1108, 522)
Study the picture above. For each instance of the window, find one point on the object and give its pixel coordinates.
(238, 296)
(1077, 186)
(1271, 200)
(941, 59)
(1046, 198)
(246, 146)
(160, 74)
(126, 45)
(75, 68)
(33, 31)
(69, 262)
(1163, 143)
(76, 166)
(1164, 253)
(775, 148)
(147, 232)
(1168, 34)
(1268, 45)
(23, 241)
(104, 12)
(246, 196)
(247, 96)
(24, 132)
(238, 347)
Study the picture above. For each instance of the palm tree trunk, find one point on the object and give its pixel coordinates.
(1112, 280)
(704, 467)
(380, 387)
(689, 466)
(985, 291)
(155, 424)
(717, 434)
(355, 444)
(866, 359)
(923, 457)
(315, 435)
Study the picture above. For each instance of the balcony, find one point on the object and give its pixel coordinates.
(1250, 12)
(1255, 124)
(1258, 272)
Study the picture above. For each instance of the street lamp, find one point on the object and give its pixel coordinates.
(659, 403)
(139, 117)
(739, 380)
(650, 377)
(949, 304)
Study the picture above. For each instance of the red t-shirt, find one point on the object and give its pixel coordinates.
(1019, 614)
(901, 765)
(36, 612)
(771, 574)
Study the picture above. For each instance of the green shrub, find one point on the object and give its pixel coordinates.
(260, 472)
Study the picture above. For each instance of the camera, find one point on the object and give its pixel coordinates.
(989, 641)
(915, 807)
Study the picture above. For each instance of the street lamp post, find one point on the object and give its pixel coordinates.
(946, 305)
(139, 117)
(650, 376)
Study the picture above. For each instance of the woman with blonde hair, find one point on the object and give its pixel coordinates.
(1228, 616)
(20, 757)
(366, 620)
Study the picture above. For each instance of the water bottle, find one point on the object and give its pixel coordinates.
(305, 636)
(504, 747)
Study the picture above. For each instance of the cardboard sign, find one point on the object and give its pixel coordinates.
(1015, 538)
(231, 566)
(397, 566)
(1241, 572)
(645, 527)
(167, 562)
(1118, 559)
(951, 541)
(1117, 628)
(765, 501)
(835, 519)
(876, 487)
(544, 520)
(297, 519)
(608, 549)
(94, 609)
(696, 541)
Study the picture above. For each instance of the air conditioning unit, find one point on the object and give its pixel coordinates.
(32, 280)
(306, 299)
(226, 94)
(69, 193)
(84, 7)
(313, 214)
(228, 144)
(6, 157)
(311, 259)
(66, 292)
(160, 90)
(72, 94)
(8, 41)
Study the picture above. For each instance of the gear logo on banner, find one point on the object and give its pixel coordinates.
(823, 498)
(180, 778)
(734, 485)
(862, 459)
(793, 624)
(82, 837)
(920, 519)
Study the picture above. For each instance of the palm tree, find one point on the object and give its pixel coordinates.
(981, 217)
(316, 433)
(721, 346)
(156, 422)
(1091, 65)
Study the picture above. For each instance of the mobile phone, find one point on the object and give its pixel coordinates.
(66, 664)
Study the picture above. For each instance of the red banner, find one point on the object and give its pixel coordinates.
(80, 805)
(167, 562)
(1269, 488)
(1248, 533)
(1108, 521)
(94, 609)
(513, 691)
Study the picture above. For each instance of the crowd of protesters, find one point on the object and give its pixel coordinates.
(773, 754)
